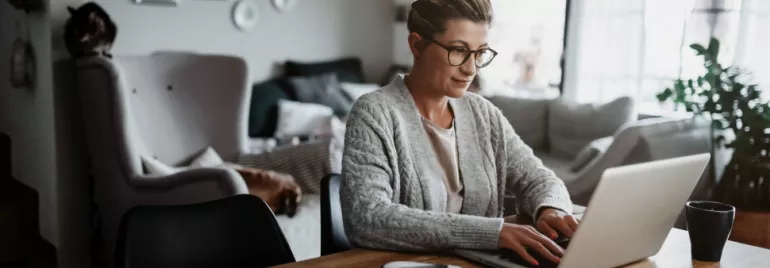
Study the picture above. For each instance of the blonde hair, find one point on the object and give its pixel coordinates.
(429, 17)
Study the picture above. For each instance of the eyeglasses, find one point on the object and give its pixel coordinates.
(458, 55)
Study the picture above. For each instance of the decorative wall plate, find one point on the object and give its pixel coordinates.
(245, 14)
(284, 5)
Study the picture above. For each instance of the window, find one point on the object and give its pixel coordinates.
(529, 37)
(638, 47)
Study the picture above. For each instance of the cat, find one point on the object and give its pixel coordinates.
(89, 31)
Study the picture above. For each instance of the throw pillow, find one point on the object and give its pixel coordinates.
(356, 90)
(346, 69)
(263, 109)
(300, 119)
(528, 117)
(209, 158)
(590, 152)
(154, 167)
(571, 125)
(321, 89)
(206, 159)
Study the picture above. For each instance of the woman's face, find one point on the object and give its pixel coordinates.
(434, 60)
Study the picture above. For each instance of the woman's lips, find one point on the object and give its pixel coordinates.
(462, 81)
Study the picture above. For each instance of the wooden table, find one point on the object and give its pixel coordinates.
(674, 253)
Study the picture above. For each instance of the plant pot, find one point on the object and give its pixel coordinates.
(752, 228)
(745, 183)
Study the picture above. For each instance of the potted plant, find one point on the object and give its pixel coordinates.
(740, 123)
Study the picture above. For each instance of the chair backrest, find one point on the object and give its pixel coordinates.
(238, 231)
(169, 106)
(333, 238)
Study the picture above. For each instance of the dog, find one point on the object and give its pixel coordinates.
(278, 190)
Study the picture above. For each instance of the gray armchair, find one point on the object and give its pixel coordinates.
(165, 106)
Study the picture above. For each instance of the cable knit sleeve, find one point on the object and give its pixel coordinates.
(371, 216)
(535, 186)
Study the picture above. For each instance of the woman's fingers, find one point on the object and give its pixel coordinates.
(572, 222)
(547, 230)
(561, 225)
(541, 249)
(519, 249)
(548, 243)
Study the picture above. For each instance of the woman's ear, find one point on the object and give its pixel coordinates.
(415, 44)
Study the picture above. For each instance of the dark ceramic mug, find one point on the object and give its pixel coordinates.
(709, 225)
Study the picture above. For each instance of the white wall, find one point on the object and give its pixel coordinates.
(45, 155)
(313, 30)
(28, 114)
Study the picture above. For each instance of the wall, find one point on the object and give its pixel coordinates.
(312, 31)
(44, 122)
(28, 114)
(402, 55)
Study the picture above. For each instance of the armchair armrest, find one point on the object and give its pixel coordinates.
(232, 182)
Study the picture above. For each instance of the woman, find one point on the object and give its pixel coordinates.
(426, 165)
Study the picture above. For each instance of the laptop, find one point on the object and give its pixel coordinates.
(628, 218)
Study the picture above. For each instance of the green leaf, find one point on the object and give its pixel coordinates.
(713, 49)
(665, 95)
(699, 49)
(719, 125)
(700, 81)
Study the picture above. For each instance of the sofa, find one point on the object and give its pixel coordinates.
(579, 141)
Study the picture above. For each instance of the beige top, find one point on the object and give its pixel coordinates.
(445, 147)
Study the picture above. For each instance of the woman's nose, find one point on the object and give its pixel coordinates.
(469, 67)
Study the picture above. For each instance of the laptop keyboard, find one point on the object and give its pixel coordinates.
(511, 256)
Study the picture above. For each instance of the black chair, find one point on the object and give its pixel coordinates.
(333, 238)
(238, 231)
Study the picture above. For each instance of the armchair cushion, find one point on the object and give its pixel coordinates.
(572, 125)
(206, 159)
(230, 180)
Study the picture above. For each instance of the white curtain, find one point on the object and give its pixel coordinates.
(637, 47)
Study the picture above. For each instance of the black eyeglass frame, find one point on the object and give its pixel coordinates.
(467, 56)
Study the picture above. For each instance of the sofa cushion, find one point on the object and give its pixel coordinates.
(322, 89)
(263, 110)
(301, 119)
(356, 90)
(571, 125)
(528, 118)
(346, 69)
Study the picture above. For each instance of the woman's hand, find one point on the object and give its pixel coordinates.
(553, 220)
(520, 237)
